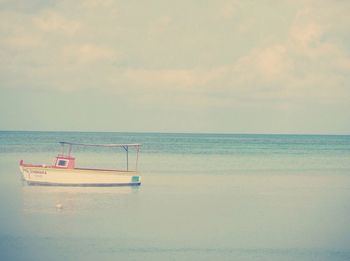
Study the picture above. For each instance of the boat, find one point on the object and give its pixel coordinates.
(65, 173)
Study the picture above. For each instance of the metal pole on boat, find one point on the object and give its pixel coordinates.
(126, 148)
(137, 156)
(127, 158)
(70, 149)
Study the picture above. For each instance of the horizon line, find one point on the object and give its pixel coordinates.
(189, 132)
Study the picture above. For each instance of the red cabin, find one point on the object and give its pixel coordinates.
(64, 162)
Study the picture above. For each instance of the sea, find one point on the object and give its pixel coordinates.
(202, 197)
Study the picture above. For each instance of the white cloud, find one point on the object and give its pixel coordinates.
(160, 25)
(229, 8)
(50, 21)
(23, 41)
(69, 40)
(87, 53)
(97, 3)
(265, 64)
(175, 79)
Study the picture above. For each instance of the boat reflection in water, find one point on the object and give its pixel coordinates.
(46, 199)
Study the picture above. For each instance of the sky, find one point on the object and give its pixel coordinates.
(175, 66)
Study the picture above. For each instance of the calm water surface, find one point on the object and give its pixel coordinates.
(203, 197)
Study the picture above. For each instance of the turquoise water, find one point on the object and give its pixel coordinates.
(203, 197)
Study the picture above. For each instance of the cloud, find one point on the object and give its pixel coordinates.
(143, 50)
(97, 3)
(22, 41)
(87, 53)
(229, 9)
(176, 79)
(160, 25)
(52, 22)
(265, 64)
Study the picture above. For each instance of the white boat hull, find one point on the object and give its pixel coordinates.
(78, 177)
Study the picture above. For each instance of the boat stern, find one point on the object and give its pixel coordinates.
(136, 180)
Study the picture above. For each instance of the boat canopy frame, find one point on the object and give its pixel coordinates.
(124, 146)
